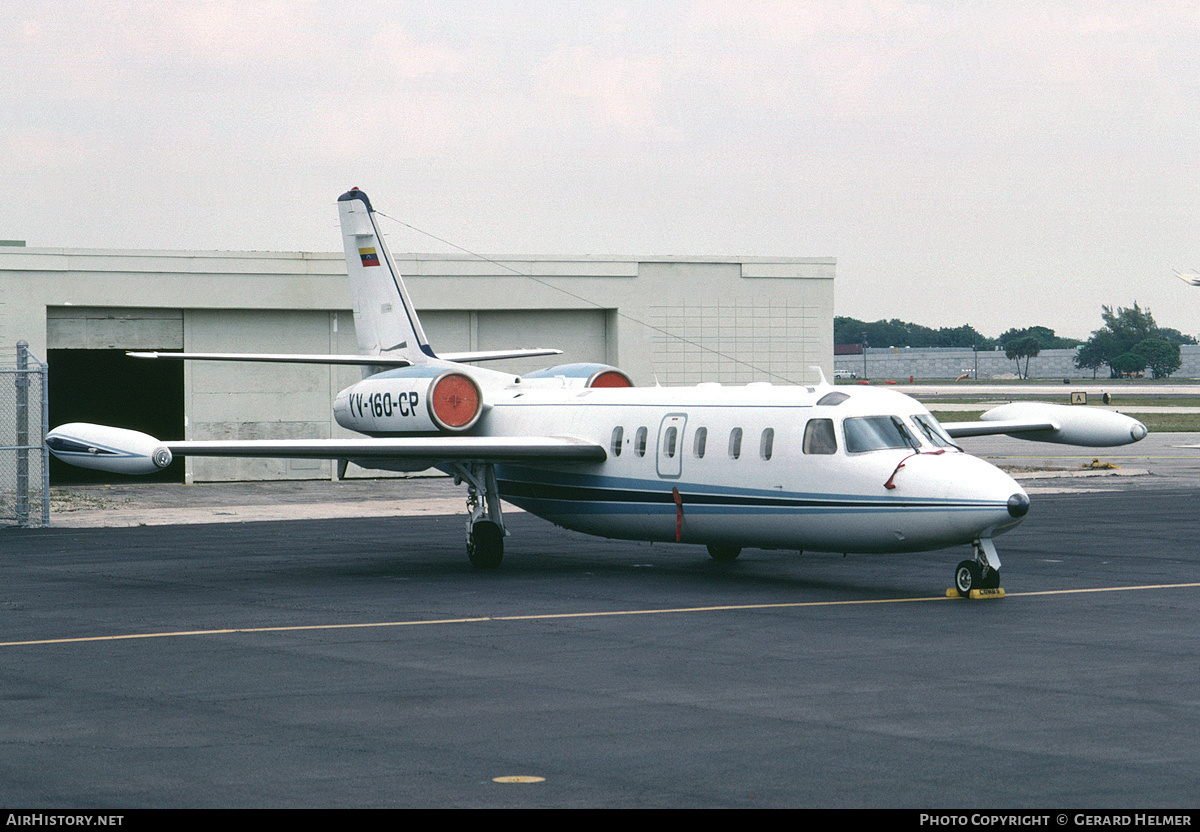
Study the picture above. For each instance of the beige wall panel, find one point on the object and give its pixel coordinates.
(447, 330)
(343, 342)
(235, 400)
(714, 324)
(99, 328)
(579, 333)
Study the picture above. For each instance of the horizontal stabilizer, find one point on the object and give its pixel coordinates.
(281, 358)
(495, 355)
(363, 360)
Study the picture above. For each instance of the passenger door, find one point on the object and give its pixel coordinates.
(670, 445)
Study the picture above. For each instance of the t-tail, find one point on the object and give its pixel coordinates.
(384, 318)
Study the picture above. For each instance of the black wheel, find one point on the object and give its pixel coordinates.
(724, 554)
(485, 546)
(967, 576)
(991, 580)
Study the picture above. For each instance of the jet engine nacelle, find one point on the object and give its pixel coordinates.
(411, 400)
(116, 450)
(582, 374)
(1075, 425)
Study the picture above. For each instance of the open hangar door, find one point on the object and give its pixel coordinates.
(93, 380)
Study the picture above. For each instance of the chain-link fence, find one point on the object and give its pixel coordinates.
(24, 460)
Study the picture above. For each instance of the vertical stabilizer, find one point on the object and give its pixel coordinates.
(384, 319)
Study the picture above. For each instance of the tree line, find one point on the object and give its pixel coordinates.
(897, 333)
(1128, 342)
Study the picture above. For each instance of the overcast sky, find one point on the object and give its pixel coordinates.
(994, 163)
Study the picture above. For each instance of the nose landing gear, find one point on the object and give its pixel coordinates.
(981, 575)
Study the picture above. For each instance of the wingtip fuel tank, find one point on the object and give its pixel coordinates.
(116, 450)
(1073, 424)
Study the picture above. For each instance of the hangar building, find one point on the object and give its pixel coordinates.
(666, 320)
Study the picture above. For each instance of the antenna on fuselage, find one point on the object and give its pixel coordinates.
(821, 375)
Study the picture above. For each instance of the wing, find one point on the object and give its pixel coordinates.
(1067, 425)
(124, 451)
(996, 426)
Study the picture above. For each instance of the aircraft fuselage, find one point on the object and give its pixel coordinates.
(761, 465)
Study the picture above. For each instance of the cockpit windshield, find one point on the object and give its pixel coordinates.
(874, 433)
(934, 432)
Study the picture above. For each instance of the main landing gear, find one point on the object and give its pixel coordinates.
(485, 523)
(981, 573)
(723, 554)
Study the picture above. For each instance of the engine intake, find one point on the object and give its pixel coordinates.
(582, 374)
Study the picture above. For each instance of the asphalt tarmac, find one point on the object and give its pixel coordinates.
(359, 661)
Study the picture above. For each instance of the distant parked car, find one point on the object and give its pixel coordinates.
(844, 374)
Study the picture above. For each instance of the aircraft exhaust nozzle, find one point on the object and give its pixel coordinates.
(103, 448)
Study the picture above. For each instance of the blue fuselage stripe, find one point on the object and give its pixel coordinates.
(560, 497)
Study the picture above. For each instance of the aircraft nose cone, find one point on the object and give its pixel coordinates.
(1018, 504)
(1137, 431)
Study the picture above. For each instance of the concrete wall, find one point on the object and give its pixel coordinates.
(941, 363)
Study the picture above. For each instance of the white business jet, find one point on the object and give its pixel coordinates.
(781, 467)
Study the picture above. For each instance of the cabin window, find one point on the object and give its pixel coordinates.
(933, 431)
(766, 444)
(819, 437)
(735, 443)
(618, 438)
(639, 442)
(832, 399)
(669, 440)
(874, 433)
(700, 441)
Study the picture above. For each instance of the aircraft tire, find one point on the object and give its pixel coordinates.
(724, 554)
(992, 581)
(967, 576)
(485, 547)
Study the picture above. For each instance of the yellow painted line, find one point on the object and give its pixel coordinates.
(176, 633)
(567, 615)
(721, 608)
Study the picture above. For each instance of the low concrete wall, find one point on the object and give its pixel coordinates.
(900, 362)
